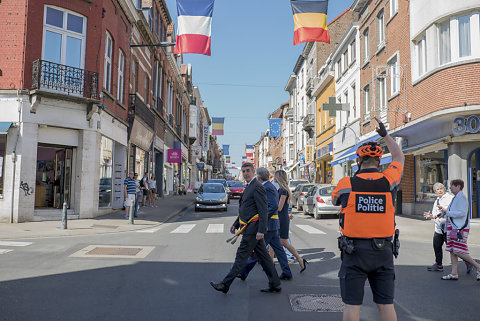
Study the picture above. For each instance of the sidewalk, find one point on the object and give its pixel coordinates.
(148, 217)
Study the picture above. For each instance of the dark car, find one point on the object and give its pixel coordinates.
(236, 189)
(299, 194)
(211, 196)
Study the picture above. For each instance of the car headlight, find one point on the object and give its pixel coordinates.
(198, 199)
(225, 199)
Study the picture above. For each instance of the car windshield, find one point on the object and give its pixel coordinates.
(306, 188)
(235, 184)
(212, 188)
(295, 183)
(220, 181)
(326, 191)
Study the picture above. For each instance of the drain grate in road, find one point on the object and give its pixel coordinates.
(136, 252)
(316, 303)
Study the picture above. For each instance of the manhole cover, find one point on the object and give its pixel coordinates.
(316, 303)
(136, 252)
(114, 251)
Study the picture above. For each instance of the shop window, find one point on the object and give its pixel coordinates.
(430, 168)
(3, 145)
(106, 173)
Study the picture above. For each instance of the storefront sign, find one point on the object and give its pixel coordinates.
(201, 165)
(197, 151)
(206, 141)
(174, 155)
(463, 125)
(325, 150)
(308, 153)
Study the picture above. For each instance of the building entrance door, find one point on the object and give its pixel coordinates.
(54, 176)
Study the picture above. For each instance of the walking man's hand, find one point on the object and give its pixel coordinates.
(260, 236)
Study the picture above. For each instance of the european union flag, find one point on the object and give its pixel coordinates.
(275, 127)
(226, 150)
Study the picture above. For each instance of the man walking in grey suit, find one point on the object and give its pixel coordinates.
(252, 221)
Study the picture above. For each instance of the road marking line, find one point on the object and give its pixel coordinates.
(150, 230)
(310, 229)
(184, 228)
(214, 228)
(3, 251)
(12, 243)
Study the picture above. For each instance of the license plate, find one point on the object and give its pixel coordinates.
(211, 206)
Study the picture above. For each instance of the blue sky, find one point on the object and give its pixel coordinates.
(252, 57)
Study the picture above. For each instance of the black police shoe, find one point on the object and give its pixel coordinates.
(221, 287)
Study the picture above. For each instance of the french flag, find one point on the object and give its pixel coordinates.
(194, 26)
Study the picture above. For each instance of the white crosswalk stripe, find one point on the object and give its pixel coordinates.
(215, 228)
(184, 228)
(310, 229)
(12, 243)
(150, 230)
(3, 251)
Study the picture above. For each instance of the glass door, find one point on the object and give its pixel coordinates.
(59, 182)
(67, 183)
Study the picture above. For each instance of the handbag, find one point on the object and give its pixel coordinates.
(455, 233)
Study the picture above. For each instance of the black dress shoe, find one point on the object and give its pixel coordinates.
(285, 277)
(272, 289)
(241, 276)
(221, 287)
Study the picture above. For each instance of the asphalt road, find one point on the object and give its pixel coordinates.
(167, 269)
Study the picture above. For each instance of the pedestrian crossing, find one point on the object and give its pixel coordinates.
(220, 229)
(12, 244)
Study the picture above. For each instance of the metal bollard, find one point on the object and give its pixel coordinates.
(132, 208)
(64, 216)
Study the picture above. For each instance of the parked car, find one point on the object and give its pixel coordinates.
(236, 189)
(298, 195)
(319, 201)
(294, 183)
(211, 196)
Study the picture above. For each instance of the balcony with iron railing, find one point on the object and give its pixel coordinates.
(138, 108)
(309, 124)
(66, 80)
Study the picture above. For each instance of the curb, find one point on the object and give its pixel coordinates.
(168, 218)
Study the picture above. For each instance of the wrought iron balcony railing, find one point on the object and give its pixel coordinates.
(64, 79)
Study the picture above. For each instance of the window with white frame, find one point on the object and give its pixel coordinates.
(291, 128)
(337, 69)
(382, 92)
(107, 67)
(366, 102)
(394, 70)
(292, 154)
(121, 77)
(366, 45)
(345, 61)
(393, 7)
(354, 100)
(464, 41)
(352, 51)
(444, 45)
(64, 34)
(380, 29)
(421, 53)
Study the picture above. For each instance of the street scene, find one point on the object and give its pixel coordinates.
(239, 160)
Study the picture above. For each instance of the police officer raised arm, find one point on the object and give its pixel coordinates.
(367, 225)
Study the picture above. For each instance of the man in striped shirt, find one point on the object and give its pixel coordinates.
(130, 192)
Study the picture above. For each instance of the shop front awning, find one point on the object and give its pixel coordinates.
(4, 126)
(351, 152)
(288, 169)
(418, 146)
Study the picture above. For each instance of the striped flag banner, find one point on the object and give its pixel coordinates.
(194, 26)
(226, 149)
(275, 127)
(310, 17)
(227, 159)
(217, 125)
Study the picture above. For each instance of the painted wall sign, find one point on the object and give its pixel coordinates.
(174, 155)
(463, 125)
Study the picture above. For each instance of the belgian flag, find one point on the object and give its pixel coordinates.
(310, 17)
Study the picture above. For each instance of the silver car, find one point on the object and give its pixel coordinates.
(211, 196)
(319, 201)
(299, 194)
(292, 184)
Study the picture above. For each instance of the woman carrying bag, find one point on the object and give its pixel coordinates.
(457, 228)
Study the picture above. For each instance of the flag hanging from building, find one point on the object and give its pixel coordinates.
(226, 149)
(310, 17)
(275, 127)
(227, 159)
(217, 125)
(194, 26)
(206, 138)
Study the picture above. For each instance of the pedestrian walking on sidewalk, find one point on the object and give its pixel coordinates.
(145, 188)
(367, 224)
(439, 237)
(252, 223)
(285, 217)
(138, 191)
(457, 228)
(272, 236)
(152, 183)
(129, 191)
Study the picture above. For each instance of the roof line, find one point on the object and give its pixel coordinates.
(338, 17)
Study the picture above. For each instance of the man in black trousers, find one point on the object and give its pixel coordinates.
(252, 222)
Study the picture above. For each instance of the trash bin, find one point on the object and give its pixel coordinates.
(398, 203)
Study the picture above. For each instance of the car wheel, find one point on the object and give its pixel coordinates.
(225, 209)
(299, 208)
(197, 209)
(316, 214)
(228, 201)
(305, 210)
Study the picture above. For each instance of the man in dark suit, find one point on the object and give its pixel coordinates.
(253, 219)
(272, 237)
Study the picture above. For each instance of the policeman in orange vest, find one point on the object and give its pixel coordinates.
(367, 223)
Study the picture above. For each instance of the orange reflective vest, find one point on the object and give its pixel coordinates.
(370, 212)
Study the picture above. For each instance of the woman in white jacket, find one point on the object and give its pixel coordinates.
(457, 217)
